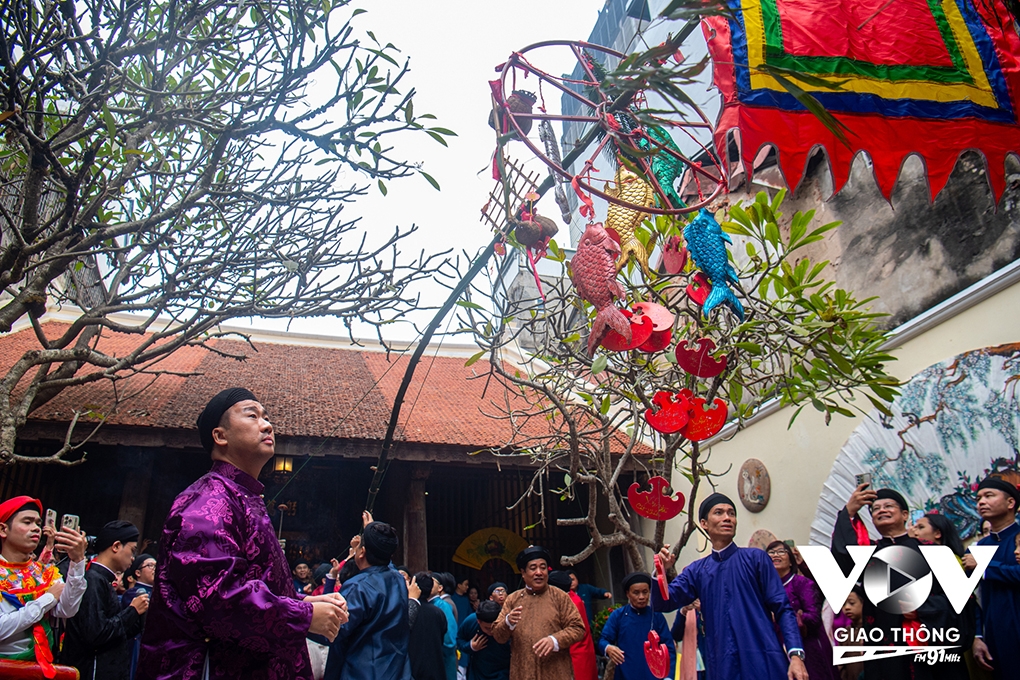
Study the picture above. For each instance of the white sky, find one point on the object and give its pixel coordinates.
(454, 46)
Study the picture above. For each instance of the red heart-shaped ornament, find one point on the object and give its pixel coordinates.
(674, 412)
(705, 421)
(699, 361)
(660, 577)
(658, 341)
(656, 655)
(640, 332)
(674, 255)
(656, 504)
(699, 288)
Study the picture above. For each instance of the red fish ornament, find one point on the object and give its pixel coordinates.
(593, 271)
(655, 504)
(656, 655)
(699, 361)
(673, 414)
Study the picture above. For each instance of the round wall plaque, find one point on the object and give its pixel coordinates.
(754, 485)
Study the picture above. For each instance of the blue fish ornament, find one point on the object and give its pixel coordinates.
(706, 242)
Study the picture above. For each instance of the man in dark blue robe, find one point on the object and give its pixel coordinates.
(998, 646)
(626, 631)
(740, 593)
(486, 658)
(372, 645)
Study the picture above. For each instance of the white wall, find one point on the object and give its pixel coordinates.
(799, 459)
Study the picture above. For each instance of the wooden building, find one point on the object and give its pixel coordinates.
(330, 407)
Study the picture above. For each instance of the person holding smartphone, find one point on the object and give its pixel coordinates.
(33, 591)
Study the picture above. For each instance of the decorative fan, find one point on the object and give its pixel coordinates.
(953, 424)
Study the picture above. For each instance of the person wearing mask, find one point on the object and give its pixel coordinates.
(224, 601)
(626, 631)
(806, 601)
(486, 658)
(582, 654)
(428, 630)
(142, 572)
(372, 645)
(741, 595)
(33, 591)
(540, 622)
(98, 640)
(997, 647)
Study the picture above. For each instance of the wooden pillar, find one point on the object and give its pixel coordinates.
(416, 552)
(134, 499)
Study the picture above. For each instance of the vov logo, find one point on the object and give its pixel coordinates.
(897, 580)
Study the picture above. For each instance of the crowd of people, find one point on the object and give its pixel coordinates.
(218, 600)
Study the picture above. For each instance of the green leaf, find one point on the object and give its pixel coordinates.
(474, 358)
(443, 131)
(470, 305)
(604, 407)
(599, 364)
(382, 188)
(431, 180)
(243, 78)
(436, 136)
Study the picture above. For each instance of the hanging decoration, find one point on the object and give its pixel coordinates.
(932, 79)
(706, 421)
(674, 412)
(657, 655)
(699, 361)
(660, 576)
(706, 242)
(655, 504)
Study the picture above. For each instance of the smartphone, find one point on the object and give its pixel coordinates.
(51, 518)
(70, 522)
(863, 478)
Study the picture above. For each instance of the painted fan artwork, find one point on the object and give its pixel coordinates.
(928, 77)
(953, 424)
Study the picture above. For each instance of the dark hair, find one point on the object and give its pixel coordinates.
(446, 580)
(299, 563)
(488, 611)
(319, 575)
(789, 553)
(573, 573)
(425, 583)
(403, 568)
(348, 571)
(950, 536)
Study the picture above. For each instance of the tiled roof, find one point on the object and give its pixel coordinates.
(309, 391)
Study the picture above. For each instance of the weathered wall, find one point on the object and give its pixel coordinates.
(910, 253)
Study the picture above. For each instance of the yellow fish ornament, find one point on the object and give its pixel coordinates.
(633, 189)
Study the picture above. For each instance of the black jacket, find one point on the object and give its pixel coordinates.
(97, 641)
(425, 646)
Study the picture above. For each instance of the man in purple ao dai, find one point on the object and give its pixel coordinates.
(223, 604)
